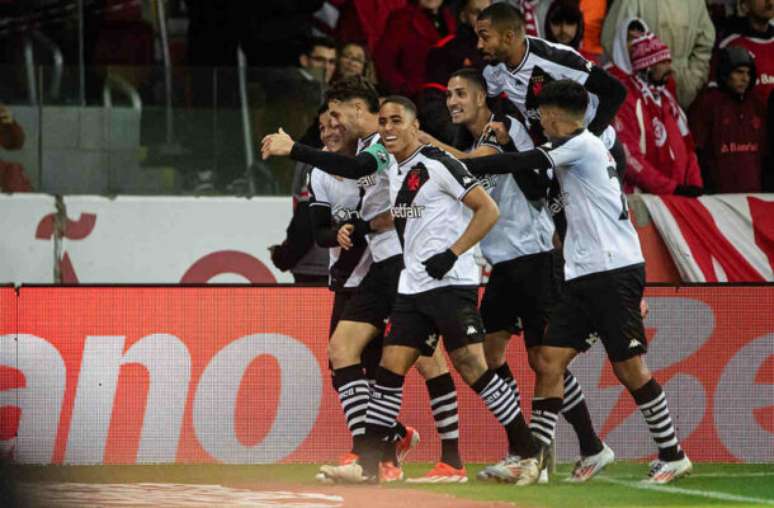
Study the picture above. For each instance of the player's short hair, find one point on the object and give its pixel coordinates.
(407, 103)
(503, 17)
(312, 42)
(471, 75)
(354, 87)
(565, 94)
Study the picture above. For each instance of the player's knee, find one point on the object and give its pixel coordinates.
(544, 364)
(340, 354)
(468, 364)
(632, 373)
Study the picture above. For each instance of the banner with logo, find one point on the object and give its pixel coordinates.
(138, 239)
(720, 238)
(125, 375)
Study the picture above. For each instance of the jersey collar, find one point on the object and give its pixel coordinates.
(516, 69)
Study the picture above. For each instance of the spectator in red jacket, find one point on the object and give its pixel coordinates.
(755, 32)
(12, 177)
(728, 124)
(653, 128)
(363, 21)
(411, 32)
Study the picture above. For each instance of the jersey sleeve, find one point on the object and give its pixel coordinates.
(565, 153)
(454, 178)
(318, 190)
(380, 154)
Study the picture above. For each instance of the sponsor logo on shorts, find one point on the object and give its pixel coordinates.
(432, 340)
(471, 330)
(592, 338)
(634, 343)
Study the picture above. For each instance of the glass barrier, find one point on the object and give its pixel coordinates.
(133, 130)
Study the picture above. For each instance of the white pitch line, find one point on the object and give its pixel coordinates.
(751, 474)
(722, 496)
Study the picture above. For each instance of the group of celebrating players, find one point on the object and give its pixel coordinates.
(402, 213)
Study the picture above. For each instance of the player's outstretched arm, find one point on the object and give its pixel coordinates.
(611, 93)
(509, 162)
(281, 144)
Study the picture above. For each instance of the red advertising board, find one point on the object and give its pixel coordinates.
(122, 375)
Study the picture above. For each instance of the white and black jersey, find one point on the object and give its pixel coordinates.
(344, 198)
(525, 227)
(376, 200)
(427, 190)
(600, 236)
(543, 63)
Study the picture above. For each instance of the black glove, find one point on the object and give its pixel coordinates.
(690, 191)
(362, 229)
(437, 266)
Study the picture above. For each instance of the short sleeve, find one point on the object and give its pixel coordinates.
(318, 190)
(493, 88)
(568, 152)
(380, 154)
(454, 178)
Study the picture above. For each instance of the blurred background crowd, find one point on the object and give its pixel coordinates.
(155, 96)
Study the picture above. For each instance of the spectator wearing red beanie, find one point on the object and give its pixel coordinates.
(653, 128)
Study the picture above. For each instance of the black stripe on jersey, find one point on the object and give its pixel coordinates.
(559, 55)
(417, 176)
(457, 169)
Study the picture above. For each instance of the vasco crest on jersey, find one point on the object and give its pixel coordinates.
(537, 81)
(415, 178)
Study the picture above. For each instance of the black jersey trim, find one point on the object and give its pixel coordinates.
(368, 140)
(527, 51)
(560, 56)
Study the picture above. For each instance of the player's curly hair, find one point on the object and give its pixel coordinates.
(355, 87)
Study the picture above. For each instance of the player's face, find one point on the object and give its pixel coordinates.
(463, 100)
(564, 32)
(739, 79)
(472, 9)
(493, 45)
(398, 129)
(344, 115)
(330, 136)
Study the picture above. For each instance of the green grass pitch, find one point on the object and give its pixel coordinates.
(709, 485)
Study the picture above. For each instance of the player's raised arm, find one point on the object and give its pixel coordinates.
(509, 162)
(281, 144)
(611, 93)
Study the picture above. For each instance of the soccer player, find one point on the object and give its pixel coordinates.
(353, 105)
(522, 287)
(604, 270)
(521, 66)
(433, 195)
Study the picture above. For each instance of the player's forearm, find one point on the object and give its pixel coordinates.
(334, 163)
(509, 162)
(484, 219)
(611, 93)
(382, 222)
(447, 148)
(324, 235)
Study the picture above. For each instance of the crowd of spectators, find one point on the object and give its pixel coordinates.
(698, 118)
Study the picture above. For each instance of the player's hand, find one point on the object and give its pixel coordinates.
(279, 144)
(644, 309)
(6, 117)
(500, 131)
(439, 265)
(344, 236)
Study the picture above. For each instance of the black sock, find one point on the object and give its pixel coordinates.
(576, 412)
(545, 413)
(653, 404)
(443, 403)
(352, 387)
(502, 402)
(381, 417)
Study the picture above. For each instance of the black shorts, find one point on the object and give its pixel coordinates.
(519, 296)
(375, 296)
(418, 320)
(340, 300)
(602, 306)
